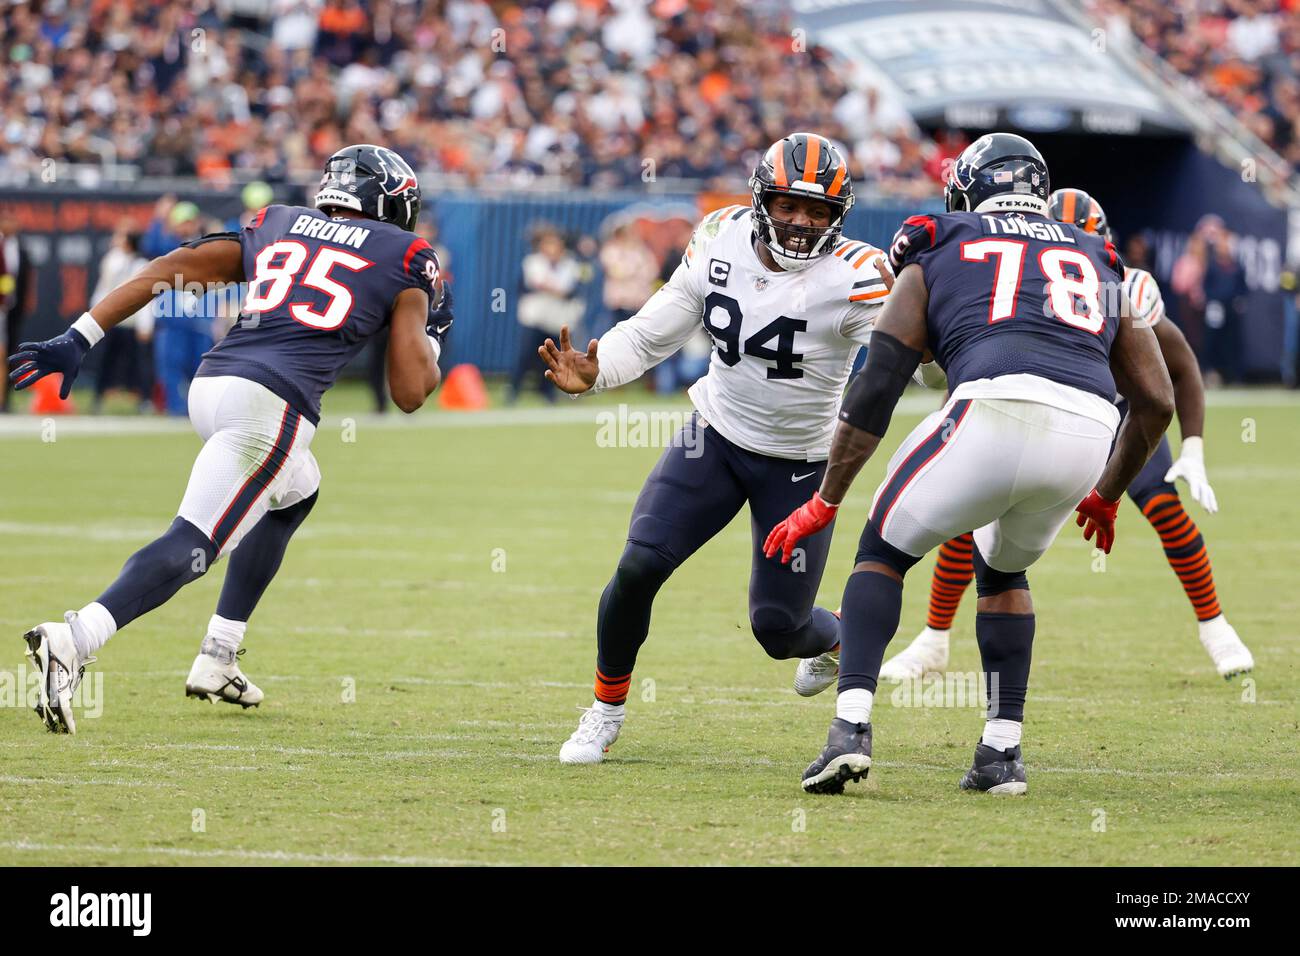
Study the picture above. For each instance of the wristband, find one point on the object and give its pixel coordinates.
(436, 346)
(88, 329)
(1193, 447)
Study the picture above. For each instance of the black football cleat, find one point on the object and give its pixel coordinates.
(1001, 772)
(847, 757)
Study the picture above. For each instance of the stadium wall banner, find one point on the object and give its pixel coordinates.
(989, 64)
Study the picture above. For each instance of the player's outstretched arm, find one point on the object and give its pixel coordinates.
(1142, 378)
(413, 373)
(1189, 406)
(213, 260)
(897, 345)
(568, 369)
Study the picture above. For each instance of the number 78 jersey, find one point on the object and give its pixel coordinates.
(318, 290)
(1016, 294)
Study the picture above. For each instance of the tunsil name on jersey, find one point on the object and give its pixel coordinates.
(1016, 226)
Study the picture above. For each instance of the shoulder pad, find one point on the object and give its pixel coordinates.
(916, 235)
(210, 237)
(865, 281)
(710, 227)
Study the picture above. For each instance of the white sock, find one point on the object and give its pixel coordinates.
(1001, 734)
(854, 705)
(91, 629)
(226, 634)
(936, 636)
(609, 710)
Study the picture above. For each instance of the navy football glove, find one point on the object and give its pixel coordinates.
(440, 319)
(35, 360)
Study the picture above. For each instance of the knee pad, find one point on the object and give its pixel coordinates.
(990, 581)
(872, 547)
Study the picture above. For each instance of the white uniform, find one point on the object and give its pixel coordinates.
(1143, 295)
(784, 342)
(256, 457)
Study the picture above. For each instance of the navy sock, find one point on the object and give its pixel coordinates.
(257, 559)
(1006, 642)
(158, 570)
(869, 618)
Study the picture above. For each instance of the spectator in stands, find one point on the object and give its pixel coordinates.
(1225, 302)
(185, 320)
(550, 300)
(13, 289)
(122, 362)
(585, 91)
(630, 270)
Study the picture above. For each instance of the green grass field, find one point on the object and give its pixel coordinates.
(431, 635)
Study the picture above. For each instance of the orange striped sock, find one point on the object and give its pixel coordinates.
(1185, 551)
(612, 690)
(952, 575)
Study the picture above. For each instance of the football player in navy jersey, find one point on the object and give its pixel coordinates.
(1017, 310)
(321, 282)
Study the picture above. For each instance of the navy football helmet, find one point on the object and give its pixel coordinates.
(999, 172)
(374, 181)
(807, 165)
(1076, 206)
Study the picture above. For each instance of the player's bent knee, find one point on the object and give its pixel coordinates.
(642, 568)
(776, 630)
(875, 550)
(990, 582)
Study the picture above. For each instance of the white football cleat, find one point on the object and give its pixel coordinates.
(1231, 657)
(216, 676)
(927, 653)
(815, 674)
(54, 652)
(596, 733)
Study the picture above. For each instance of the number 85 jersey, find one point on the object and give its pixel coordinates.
(783, 342)
(1014, 294)
(318, 289)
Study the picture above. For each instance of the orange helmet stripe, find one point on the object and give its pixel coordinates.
(1067, 205)
(811, 158)
(837, 181)
(778, 165)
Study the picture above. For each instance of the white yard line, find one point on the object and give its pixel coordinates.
(32, 426)
(270, 856)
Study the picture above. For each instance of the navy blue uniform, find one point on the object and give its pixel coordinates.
(1012, 293)
(319, 288)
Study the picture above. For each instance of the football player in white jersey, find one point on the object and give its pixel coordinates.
(787, 301)
(1153, 491)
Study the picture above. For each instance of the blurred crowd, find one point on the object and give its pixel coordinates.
(602, 93)
(1243, 53)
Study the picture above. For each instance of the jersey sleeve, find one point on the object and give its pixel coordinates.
(420, 269)
(661, 327)
(710, 227)
(867, 291)
(917, 235)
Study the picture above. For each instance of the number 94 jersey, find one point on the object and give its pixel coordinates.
(783, 342)
(318, 289)
(1016, 294)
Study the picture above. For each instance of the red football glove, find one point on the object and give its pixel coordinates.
(809, 518)
(1097, 514)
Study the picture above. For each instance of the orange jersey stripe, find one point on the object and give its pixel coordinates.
(866, 296)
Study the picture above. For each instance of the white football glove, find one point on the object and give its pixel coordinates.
(1190, 466)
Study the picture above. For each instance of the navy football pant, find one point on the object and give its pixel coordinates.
(700, 484)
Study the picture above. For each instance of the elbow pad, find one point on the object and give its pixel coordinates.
(875, 391)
